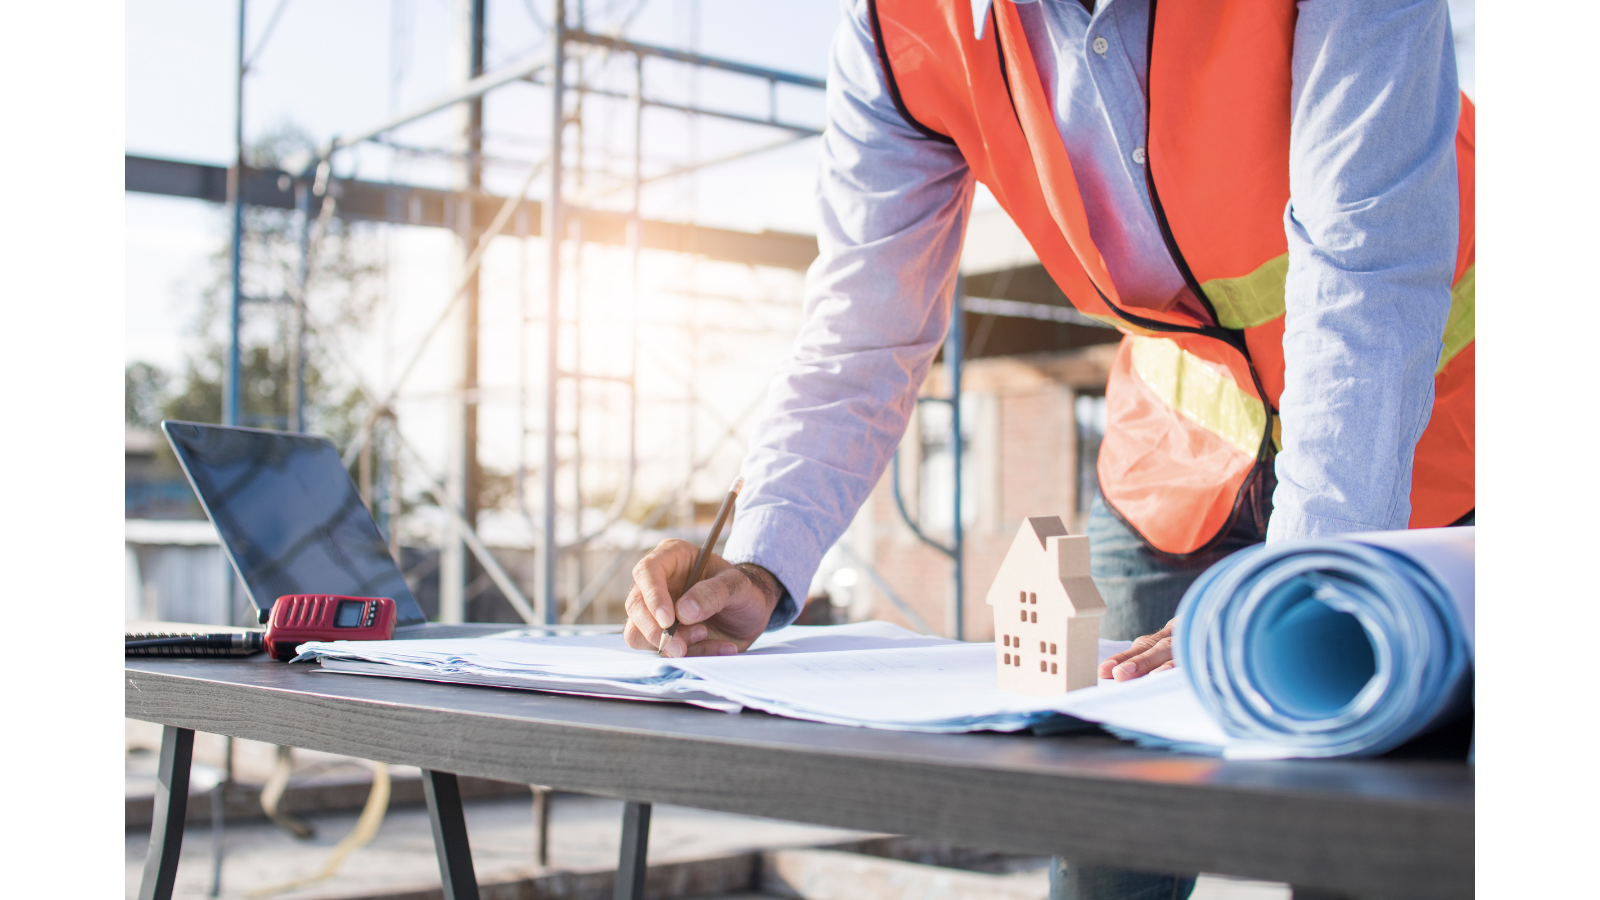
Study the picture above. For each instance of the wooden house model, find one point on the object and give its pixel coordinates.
(1046, 611)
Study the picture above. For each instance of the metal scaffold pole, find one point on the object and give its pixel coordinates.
(550, 550)
(463, 475)
(954, 346)
(297, 337)
(415, 205)
(230, 398)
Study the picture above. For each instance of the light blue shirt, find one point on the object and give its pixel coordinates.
(1372, 232)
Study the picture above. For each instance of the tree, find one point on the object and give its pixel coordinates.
(145, 394)
(343, 290)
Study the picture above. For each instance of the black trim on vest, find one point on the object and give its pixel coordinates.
(1155, 198)
(894, 87)
(1005, 75)
(1234, 338)
(1231, 337)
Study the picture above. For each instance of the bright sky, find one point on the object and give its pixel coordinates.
(332, 68)
(336, 67)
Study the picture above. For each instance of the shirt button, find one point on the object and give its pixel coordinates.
(1138, 155)
(1101, 45)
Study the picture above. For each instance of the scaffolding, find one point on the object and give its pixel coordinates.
(565, 69)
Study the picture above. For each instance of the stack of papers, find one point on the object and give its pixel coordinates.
(868, 674)
(1313, 648)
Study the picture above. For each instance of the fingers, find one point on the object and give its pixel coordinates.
(1140, 645)
(713, 595)
(691, 640)
(649, 604)
(1149, 653)
(1158, 656)
(654, 576)
(635, 639)
(723, 613)
(713, 648)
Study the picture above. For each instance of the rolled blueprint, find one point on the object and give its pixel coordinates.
(1338, 647)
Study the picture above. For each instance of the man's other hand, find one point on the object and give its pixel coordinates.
(721, 615)
(1151, 653)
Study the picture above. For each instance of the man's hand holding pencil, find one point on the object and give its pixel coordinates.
(721, 615)
(720, 608)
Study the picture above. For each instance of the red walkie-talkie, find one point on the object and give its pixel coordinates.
(297, 618)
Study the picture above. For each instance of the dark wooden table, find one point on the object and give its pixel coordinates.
(1356, 828)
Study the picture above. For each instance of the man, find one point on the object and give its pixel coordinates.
(1272, 200)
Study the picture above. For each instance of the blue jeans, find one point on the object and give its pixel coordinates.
(1142, 588)
(1076, 881)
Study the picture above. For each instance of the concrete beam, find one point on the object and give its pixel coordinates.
(401, 204)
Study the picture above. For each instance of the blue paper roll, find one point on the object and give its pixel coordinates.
(1342, 647)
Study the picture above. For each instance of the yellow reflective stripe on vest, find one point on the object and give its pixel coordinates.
(1250, 300)
(1257, 299)
(1202, 394)
(1459, 328)
(1122, 325)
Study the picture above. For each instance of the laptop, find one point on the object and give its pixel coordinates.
(292, 522)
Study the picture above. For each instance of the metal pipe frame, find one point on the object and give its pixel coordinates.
(527, 68)
(231, 397)
(693, 59)
(953, 347)
(297, 347)
(771, 121)
(470, 90)
(549, 550)
(553, 66)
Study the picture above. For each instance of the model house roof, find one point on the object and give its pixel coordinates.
(1045, 559)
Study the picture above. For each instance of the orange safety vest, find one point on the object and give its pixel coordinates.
(1191, 402)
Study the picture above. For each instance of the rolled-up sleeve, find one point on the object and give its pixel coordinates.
(877, 303)
(1372, 225)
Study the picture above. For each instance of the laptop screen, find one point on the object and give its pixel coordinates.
(289, 517)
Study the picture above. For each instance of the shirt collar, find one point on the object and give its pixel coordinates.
(980, 15)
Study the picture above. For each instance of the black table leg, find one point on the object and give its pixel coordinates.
(450, 835)
(631, 864)
(172, 803)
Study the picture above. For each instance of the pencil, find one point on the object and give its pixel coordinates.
(705, 553)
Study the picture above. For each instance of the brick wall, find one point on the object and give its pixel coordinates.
(1022, 462)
